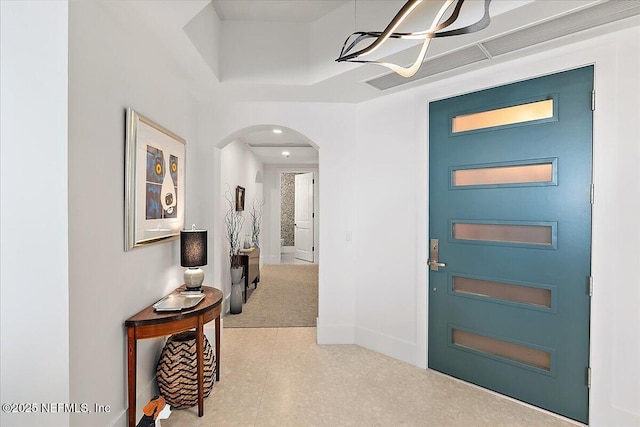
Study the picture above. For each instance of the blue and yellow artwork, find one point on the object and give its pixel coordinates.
(162, 184)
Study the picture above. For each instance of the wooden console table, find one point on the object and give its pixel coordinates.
(151, 324)
(251, 263)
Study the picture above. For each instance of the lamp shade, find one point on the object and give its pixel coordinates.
(193, 248)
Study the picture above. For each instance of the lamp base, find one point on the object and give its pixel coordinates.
(193, 278)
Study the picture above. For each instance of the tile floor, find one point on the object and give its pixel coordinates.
(281, 377)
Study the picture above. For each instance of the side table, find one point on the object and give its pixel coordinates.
(151, 324)
(251, 262)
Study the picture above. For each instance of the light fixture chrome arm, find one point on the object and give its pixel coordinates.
(363, 35)
(427, 35)
(408, 7)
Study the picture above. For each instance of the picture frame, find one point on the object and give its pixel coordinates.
(240, 198)
(154, 182)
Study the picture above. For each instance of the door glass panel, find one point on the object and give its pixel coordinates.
(530, 234)
(503, 291)
(503, 116)
(519, 353)
(504, 175)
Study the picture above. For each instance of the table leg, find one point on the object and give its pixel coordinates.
(246, 290)
(131, 374)
(200, 353)
(218, 348)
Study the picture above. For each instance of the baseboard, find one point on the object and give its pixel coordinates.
(372, 340)
(143, 395)
(335, 334)
(387, 345)
(226, 305)
(271, 259)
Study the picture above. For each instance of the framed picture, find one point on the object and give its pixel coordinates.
(154, 182)
(239, 198)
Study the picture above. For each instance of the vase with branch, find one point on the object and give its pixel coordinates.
(234, 221)
(257, 208)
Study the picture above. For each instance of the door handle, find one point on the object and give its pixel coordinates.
(434, 250)
(434, 265)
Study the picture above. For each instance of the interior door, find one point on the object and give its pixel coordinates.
(510, 234)
(303, 233)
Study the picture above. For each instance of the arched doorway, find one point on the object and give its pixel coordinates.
(255, 159)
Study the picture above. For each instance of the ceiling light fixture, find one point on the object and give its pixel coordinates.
(277, 131)
(427, 35)
(286, 153)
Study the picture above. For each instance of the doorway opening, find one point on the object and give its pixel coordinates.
(298, 219)
(281, 293)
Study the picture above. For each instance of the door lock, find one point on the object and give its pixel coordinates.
(434, 249)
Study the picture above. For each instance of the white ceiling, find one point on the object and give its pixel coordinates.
(269, 146)
(296, 156)
(298, 11)
(285, 50)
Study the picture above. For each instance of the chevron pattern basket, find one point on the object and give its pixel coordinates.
(177, 371)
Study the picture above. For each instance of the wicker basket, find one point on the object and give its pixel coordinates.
(177, 371)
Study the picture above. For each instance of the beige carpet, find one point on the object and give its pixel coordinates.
(287, 296)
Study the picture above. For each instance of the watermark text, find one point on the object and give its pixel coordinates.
(55, 407)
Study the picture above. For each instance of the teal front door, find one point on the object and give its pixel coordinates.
(510, 239)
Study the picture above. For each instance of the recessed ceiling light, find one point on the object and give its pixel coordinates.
(286, 153)
(277, 131)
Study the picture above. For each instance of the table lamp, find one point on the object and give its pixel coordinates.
(193, 254)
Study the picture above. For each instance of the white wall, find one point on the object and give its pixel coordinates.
(34, 289)
(238, 166)
(114, 65)
(391, 171)
(387, 204)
